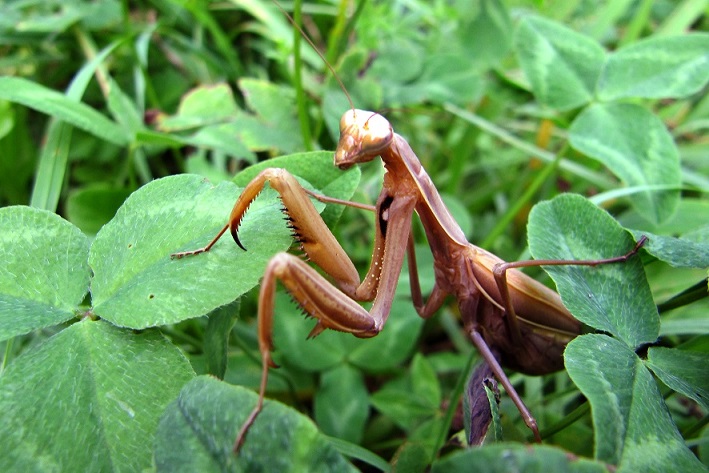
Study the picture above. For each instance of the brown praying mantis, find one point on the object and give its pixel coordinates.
(512, 319)
(502, 309)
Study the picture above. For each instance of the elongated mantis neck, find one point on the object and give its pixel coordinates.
(364, 136)
(404, 165)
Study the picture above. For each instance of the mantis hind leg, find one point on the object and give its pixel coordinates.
(500, 272)
(499, 373)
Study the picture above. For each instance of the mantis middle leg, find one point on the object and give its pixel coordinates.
(434, 302)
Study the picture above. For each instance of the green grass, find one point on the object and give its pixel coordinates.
(506, 103)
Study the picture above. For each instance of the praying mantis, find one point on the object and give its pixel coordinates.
(511, 319)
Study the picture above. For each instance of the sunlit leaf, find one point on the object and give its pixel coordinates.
(659, 67)
(615, 297)
(682, 370)
(635, 145)
(88, 399)
(633, 426)
(561, 64)
(44, 275)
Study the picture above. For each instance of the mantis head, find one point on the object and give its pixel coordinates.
(363, 136)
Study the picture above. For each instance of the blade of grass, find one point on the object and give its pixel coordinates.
(607, 16)
(303, 116)
(221, 39)
(682, 17)
(51, 168)
(353, 450)
(595, 178)
(523, 200)
(337, 40)
(65, 106)
(454, 399)
(637, 23)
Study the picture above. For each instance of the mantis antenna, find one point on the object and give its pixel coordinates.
(310, 42)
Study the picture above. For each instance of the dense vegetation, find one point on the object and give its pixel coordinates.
(128, 128)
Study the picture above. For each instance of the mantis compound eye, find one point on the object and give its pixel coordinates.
(378, 132)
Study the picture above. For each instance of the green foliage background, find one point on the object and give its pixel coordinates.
(128, 128)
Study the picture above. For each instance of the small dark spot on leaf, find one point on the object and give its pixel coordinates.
(151, 296)
(130, 245)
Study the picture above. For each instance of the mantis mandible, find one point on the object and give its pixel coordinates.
(511, 318)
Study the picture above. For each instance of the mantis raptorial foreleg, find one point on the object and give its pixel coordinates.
(309, 228)
(334, 307)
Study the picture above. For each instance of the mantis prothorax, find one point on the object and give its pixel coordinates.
(506, 313)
